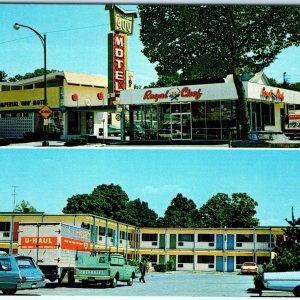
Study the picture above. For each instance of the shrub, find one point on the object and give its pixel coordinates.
(76, 141)
(170, 265)
(160, 268)
(258, 282)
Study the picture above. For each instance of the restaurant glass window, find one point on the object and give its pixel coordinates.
(213, 120)
(199, 120)
(228, 119)
(138, 122)
(151, 122)
(164, 121)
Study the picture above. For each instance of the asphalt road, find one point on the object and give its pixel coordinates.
(182, 284)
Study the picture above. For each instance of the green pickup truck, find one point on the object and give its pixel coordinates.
(103, 268)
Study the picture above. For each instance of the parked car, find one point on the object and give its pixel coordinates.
(249, 268)
(113, 130)
(293, 131)
(266, 139)
(19, 273)
(283, 281)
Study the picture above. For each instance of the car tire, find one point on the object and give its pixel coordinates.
(9, 292)
(296, 291)
(113, 283)
(130, 281)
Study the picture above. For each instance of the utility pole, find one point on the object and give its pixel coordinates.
(11, 233)
(14, 196)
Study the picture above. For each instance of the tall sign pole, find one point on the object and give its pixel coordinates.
(121, 23)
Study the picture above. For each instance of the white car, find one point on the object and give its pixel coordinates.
(249, 268)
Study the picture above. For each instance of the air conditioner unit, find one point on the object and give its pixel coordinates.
(211, 244)
(180, 265)
(154, 243)
(180, 243)
(239, 244)
(5, 234)
(100, 238)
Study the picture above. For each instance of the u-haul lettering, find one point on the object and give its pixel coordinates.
(42, 242)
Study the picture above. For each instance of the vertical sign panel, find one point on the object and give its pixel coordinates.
(117, 63)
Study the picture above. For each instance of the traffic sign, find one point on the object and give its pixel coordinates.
(45, 111)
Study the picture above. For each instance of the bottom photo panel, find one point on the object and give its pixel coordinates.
(137, 222)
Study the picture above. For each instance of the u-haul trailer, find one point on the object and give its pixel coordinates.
(54, 247)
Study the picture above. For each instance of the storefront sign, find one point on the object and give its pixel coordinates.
(118, 63)
(174, 94)
(270, 95)
(121, 20)
(25, 103)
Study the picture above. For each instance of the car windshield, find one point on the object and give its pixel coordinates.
(249, 264)
(25, 263)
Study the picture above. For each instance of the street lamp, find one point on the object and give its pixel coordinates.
(43, 40)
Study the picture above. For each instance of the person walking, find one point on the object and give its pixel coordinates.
(142, 268)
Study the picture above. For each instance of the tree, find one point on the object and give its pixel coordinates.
(105, 201)
(3, 76)
(81, 203)
(24, 207)
(111, 200)
(236, 212)
(182, 212)
(287, 250)
(214, 41)
(138, 213)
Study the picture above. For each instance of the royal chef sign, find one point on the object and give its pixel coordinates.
(122, 25)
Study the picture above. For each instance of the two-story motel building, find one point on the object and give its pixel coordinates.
(198, 249)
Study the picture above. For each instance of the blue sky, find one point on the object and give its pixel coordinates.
(47, 178)
(77, 41)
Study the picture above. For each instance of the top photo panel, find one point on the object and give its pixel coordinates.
(106, 75)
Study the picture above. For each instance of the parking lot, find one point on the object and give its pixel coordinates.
(189, 284)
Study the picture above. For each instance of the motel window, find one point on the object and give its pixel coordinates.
(102, 231)
(129, 236)
(151, 258)
(122, 235)
(263, 238)
(16, 87)
(110, 232)
(260, 260)
(244, 238)
(185, 237)
(206, 259)
(5, 88)
(149, 237)
(4, 226)
(28, 87)
(206, 238)
(185, 259)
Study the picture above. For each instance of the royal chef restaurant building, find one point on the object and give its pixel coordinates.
(205, 111)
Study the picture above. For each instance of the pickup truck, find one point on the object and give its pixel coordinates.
(103, 268)
(283, 281)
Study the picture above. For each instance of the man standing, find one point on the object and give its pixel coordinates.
(142, 270)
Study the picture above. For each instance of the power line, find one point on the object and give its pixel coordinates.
(55, 31)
